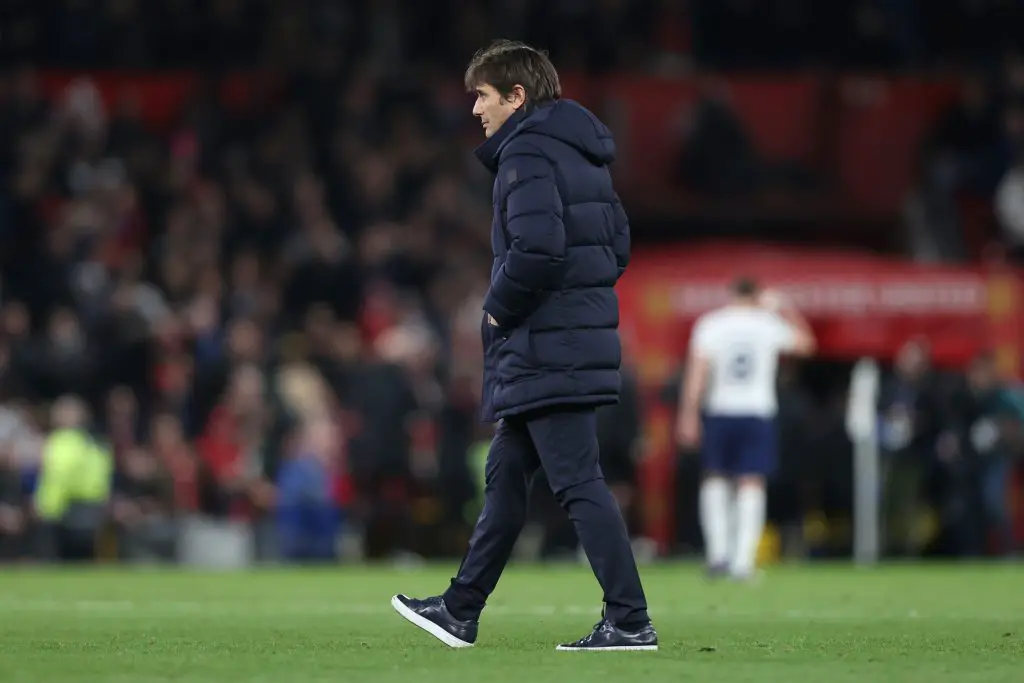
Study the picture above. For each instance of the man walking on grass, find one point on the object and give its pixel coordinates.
(560, 240)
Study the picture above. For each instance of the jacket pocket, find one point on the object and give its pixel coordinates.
(515, 358)
(556, 350)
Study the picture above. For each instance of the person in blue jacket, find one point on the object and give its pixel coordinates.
(560, 240)
(308, 518)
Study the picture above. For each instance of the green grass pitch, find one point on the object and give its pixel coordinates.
(827, 624)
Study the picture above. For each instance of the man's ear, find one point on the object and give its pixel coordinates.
(517, 97)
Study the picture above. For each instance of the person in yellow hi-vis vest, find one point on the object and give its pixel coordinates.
(74, 483)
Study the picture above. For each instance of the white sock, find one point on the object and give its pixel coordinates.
(750, 512)
(714, 519)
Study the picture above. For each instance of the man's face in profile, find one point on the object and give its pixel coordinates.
(492, 109)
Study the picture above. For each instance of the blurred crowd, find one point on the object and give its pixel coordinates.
(272, 315)
(973, 159)
(249, 316)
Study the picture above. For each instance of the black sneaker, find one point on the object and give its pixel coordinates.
(606, 637)
(433, 616)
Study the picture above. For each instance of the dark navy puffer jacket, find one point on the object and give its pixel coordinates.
(561, 241)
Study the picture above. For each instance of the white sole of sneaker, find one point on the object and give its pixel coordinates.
(427, 625)
(620, 648)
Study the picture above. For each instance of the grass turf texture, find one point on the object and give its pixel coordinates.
(830, 624)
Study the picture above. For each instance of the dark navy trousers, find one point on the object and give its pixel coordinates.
(564, 443)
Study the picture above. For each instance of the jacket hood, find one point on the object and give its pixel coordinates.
(564, 120)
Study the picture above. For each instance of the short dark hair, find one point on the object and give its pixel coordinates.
(745, 286)
(505, 64)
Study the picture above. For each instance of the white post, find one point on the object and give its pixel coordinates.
(861, 425)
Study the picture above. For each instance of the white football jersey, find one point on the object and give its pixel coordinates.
(742, 344)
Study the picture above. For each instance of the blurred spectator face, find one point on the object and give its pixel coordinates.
(247, 390)
(84, 109)
(327, 242)
(20, 431)
(15, 321)
(210, 282)
(176, 276)
(319, 326)
(175, 379)
(203, 316)
(378, 243)
(257, 201)
(245, 342)
(320, 437)
(64, 331)
(912, 361)
(982, 375)
(347, 343)
(167, 433)
(81, 217)
(69, 412)
(409, 346)
(139, 464)
(377, 179)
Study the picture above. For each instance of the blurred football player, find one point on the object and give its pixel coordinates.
(728, 407)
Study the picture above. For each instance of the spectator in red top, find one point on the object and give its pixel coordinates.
(231, 446)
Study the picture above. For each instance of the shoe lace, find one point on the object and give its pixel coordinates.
(598, 627)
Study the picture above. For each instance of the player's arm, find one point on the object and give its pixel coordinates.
(698, 370)
(536, 235)
(695, 383)
(801, 341)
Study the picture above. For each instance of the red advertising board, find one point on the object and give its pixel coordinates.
(161, 96)
(860, 305)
